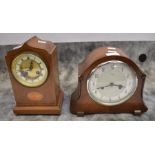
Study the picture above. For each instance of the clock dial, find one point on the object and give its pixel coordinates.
(112, 83)
(29, 70)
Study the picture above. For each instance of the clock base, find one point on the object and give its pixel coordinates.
(40, 110)
(85, 111)
(80, 109)
(82, 114)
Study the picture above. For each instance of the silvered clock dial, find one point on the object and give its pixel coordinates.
(29, 70)
(112, 83)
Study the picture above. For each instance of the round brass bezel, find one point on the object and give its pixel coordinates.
(19, 79)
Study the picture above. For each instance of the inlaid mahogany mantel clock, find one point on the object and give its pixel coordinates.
(33, 71)
(108, 82)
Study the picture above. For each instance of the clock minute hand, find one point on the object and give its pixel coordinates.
(31, 66)
(103, 87)
(111, 85)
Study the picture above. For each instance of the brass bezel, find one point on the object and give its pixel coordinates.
(18, 78)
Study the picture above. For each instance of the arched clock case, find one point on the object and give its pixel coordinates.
(105, 61)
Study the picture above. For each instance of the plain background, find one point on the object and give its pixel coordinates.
(18, 38)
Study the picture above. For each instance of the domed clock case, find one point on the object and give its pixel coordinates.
(109, 82)
(33, 71)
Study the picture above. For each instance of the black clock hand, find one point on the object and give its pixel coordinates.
(111, 85)
(31, 66)
(119, 86)
(103, 87)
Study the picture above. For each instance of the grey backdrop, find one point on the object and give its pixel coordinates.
(17, 38)
(70, 54)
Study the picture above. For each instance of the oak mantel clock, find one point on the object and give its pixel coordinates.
(33, 71)
(109, 82)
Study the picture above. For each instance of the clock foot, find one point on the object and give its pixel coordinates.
(80, 114)
(137, 112)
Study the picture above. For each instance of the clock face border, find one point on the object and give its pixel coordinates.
(22, 82)
(126, 60)
(109, 103)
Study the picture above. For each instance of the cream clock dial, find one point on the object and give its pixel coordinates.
(29, 70)
(112, 83)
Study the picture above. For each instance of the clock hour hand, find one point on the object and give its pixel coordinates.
(29, 68)
(120, 86)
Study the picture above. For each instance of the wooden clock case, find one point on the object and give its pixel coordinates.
(44, 99)
(82, 103)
